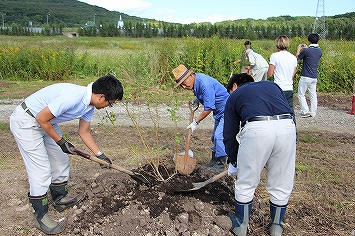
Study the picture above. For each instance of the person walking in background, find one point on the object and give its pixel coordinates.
(267, 138)
(34, 124)
(257, 65)
(244, 59)
(282, 66)
(213, 96)
(308, 82)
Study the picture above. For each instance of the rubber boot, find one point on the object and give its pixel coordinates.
(42, 220)
(220, 164)
(352, 111)
(59, 196)
(213, 160)
(277, 214)
(241, 219)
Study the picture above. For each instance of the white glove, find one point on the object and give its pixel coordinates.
(192, 126)
(232, 170)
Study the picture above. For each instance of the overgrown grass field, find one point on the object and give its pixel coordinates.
(144, 65)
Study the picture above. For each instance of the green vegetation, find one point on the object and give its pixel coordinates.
(4, 127)
(144, 65)
(64, 13)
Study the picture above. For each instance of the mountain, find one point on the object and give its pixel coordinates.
(68, 13)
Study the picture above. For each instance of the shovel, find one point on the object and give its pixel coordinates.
(134, 175)
(197, 186)
(184, 163)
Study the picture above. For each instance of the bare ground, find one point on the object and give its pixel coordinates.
(322, 202)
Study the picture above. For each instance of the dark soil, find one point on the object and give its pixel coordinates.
(322, 202)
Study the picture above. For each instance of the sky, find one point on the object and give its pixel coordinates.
(196, 11)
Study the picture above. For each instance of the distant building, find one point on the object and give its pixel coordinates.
(120, 23)
(71, 34)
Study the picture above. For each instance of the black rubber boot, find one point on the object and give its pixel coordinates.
(213, 160)
(240, 220)
(277, 215)
(42, 220)
(59, 196)
(220, 164)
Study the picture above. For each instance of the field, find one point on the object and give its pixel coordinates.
(322, 202)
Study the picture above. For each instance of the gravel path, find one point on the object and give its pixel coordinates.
(326, 120)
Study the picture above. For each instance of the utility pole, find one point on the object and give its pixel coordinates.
(319, 21)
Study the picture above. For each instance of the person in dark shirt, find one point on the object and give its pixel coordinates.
(308, 82)
(259, 131)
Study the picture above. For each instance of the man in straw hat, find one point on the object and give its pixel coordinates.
(213, 96)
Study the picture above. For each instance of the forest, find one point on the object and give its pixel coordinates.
(54, 16)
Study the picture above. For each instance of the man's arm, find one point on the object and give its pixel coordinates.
(299, 49)
(85, 135)
(270, 71)
(230, 130)
(203, 115)
(43, 118)
(294, 72)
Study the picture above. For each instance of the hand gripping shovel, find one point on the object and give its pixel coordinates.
(186, 164)
(198, 185)
(134, 175)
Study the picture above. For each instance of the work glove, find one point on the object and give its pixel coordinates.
(193, 125)
(103, 157)
(232, 170)
(66, 146)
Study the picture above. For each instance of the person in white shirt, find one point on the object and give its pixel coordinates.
(258, 65)
(282, 66)
(34, 124)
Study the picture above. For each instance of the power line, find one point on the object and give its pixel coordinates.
(319, 21)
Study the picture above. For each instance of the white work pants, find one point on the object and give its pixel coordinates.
(307, 84)
(45, 161)
(260, 74)
(271, 144)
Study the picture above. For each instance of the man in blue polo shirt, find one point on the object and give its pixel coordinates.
(34, 124)
(259, 131)
(213, 96)
(308, 82)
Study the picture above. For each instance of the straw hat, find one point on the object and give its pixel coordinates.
(181, 73)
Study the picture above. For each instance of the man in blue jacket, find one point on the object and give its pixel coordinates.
(213, 96)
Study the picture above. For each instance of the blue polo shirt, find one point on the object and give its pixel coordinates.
(310, 57)
(65, 101)
(211, 94)
(263, 98)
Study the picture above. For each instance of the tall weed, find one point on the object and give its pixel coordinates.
(146, 64)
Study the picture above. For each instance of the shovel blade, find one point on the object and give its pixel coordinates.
(185, 165)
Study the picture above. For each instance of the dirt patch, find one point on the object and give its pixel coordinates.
(322, 202)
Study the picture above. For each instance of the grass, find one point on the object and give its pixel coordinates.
(144, 65)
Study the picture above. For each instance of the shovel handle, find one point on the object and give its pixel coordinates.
(188, 139)
(220, 175)
(95, 159)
